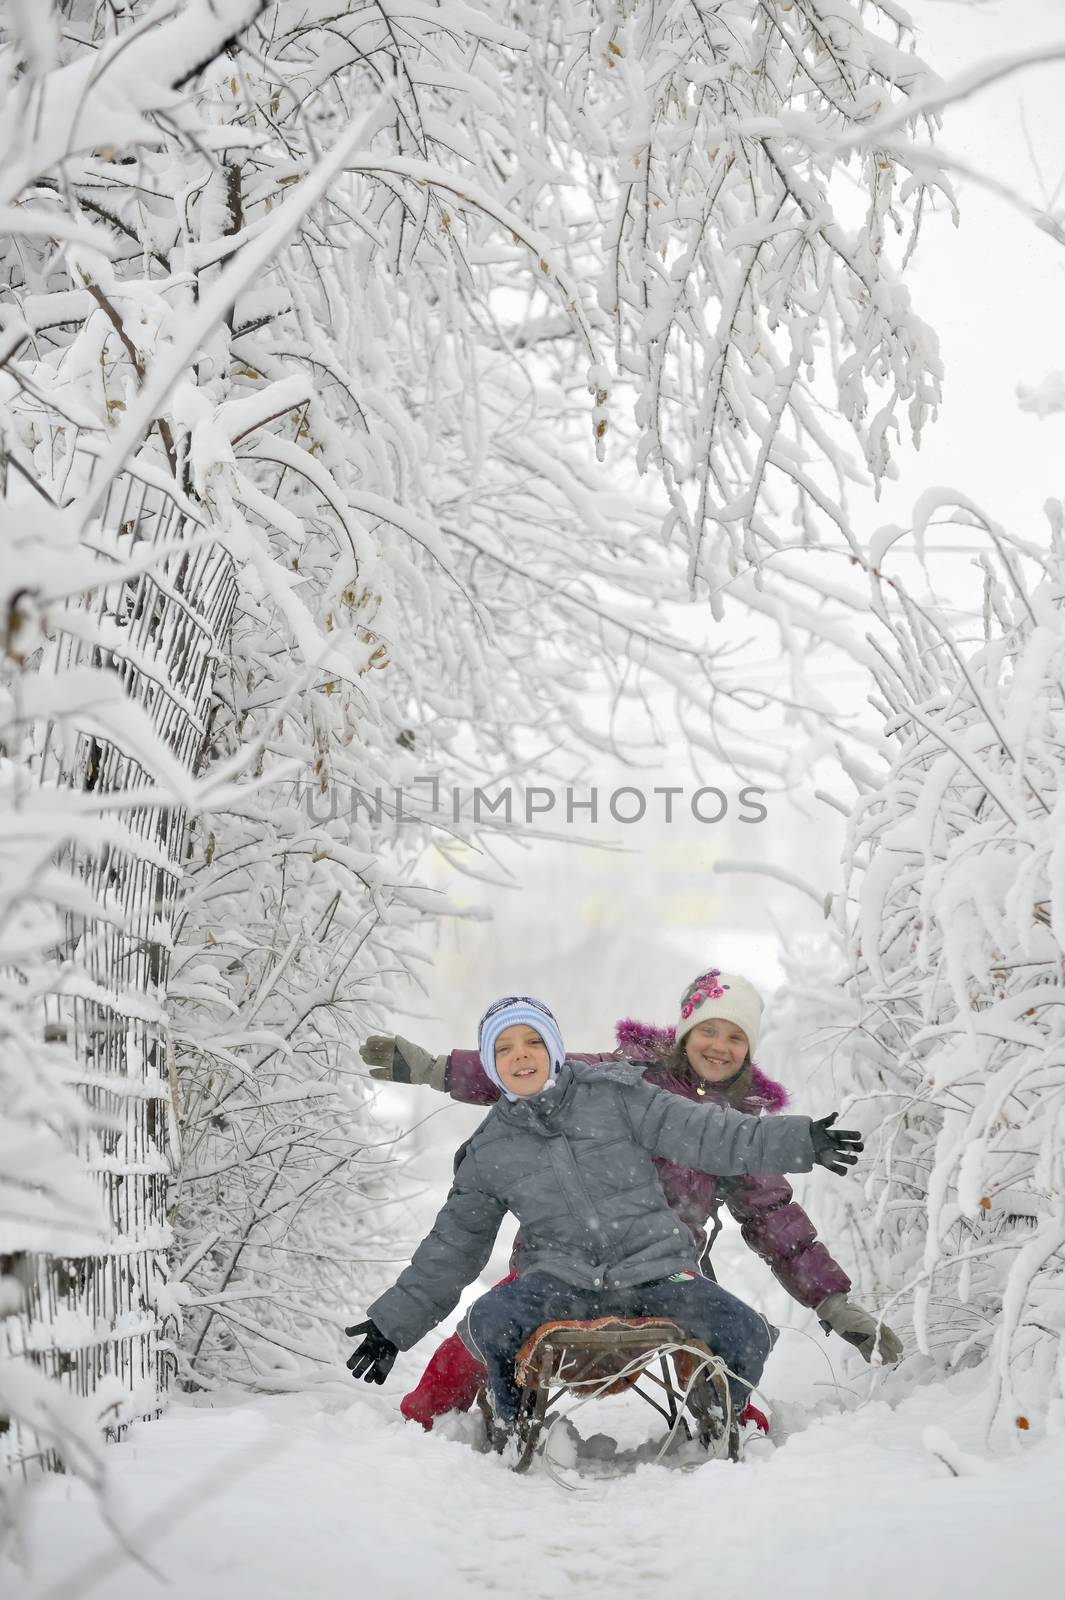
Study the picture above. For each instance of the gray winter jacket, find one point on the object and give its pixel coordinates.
(573, 1164)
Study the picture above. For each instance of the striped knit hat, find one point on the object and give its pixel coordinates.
(505, 1013)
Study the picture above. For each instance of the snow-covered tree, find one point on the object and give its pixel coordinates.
(936, 1007)
(112, 596)
(746, 244)
(320, 340)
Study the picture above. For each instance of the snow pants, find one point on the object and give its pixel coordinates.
(502, 1320)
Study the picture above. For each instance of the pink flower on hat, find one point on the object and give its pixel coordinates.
(734, 999)
(705, 987)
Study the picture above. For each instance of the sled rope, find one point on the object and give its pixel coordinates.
(636, 1365)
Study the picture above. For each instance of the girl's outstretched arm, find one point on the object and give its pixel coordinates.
(777, 1228)
(460, 1074)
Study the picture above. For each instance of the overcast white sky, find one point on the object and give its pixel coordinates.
(994, 288)
(600, 936)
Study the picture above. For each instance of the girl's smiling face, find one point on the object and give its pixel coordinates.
(522, 1060)
(716, 1050)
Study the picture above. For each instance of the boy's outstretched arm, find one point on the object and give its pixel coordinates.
(714, 1138)
(450, 1256)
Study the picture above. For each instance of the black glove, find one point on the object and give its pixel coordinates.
(835, 1148)
(375, 1355)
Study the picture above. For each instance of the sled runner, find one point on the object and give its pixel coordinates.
(612, 1355)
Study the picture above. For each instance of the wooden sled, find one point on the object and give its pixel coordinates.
(614, 1355)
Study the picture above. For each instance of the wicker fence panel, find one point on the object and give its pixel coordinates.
(97, 1319)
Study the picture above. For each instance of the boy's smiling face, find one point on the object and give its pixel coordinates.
(522, 1060)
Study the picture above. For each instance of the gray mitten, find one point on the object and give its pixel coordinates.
(859, 1328)
(397, 1060)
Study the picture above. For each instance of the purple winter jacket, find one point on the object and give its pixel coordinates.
(771, 1222)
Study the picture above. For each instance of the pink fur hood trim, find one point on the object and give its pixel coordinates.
(642, 1041)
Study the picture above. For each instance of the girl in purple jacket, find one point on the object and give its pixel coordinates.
(708, 1054)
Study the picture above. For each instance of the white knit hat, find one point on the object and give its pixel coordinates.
(723, 995)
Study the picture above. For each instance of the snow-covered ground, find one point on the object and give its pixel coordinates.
(332, 1494)
(879, 1486)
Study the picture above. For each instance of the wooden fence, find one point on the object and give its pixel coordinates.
(99, 1320)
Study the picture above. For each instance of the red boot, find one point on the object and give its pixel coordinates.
(449, 1383)
(751, 1414)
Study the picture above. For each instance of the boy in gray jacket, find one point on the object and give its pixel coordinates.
(568, 1149)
